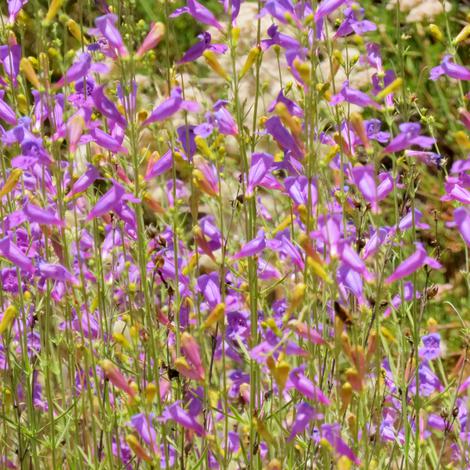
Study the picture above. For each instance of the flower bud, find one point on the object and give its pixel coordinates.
(155, 35)
(137, 448)
(235, 35)
(215, 316)
(27, 68)
(215, 65)
(53, 9)
(303, 69)
(394, 86)
(114, 375)
(8, 318)
(463, 35)
(435, 32)
(11, 182)
(250, 59)
(346, 395)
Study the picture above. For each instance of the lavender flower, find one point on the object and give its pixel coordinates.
(451, 69)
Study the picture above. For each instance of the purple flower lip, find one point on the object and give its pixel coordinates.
(431, 348)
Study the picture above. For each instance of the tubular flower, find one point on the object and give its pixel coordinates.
(414, 262)
(114, 375)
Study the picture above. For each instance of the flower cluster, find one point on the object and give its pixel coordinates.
(219, 282)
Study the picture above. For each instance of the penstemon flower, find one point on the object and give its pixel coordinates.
(233, 262)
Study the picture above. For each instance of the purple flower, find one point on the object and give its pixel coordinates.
(293, 108)
(106, 25)
(460, 166)
(283, 10)
(253, 247)
(107, 108)
(455, 191)
(199, 13)
(429, 383)
(12, 253)
(431, 347)
(171, 106)
(280, 39)
(42, 216)
(436, 422)
(14, 7)
(159, 166)
(352, 259)
(174, 412)
(451, 69)
(414, 262)
(186, 135)
(107, 141)
(364, 178)
(196, 51)
(409, 135)
(209, 286)
(332, 434)
(408, 294)
(57, 272)
(110, 201)
(350, 281)
(10, 55)
(306, 387)
(280, 9)
(77, 70)
(353, 96)
(327, 7)
(462, 220)
(223, 119)
(387, 428)
(234, 5)
(354, 23)
(6, 113)
(374, 57)
(260, 165)
(379, 84)
(303, 415)
(412, 217)
(373, 131)
(375, 242)
(297, 188)
(430, 158)
(85, 181)
(282, 136)
(142, 424)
